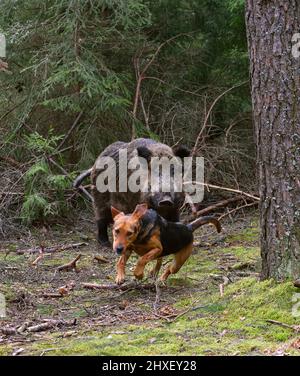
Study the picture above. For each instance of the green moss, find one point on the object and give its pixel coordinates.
(235, 323)
(249, 234)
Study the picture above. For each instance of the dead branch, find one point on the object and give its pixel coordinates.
(70, 266)
(8, 331)
(101, 259)
(95, 286)
(218, 205)
(297, 283)
(238, 208)
(256, 198)
(58, 248)
(295, 328)
(4, 67)
(50, 324)
(11, 161)
(140, 75)
(209, 113)
(157, 296)
(64, 290)
(38, 259)
(52, 295)
(70, 131)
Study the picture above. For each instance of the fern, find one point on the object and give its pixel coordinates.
(33, 208)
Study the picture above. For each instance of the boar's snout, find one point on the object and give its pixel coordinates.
(166, 201)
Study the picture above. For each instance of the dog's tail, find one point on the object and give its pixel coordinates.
(77, 182)
(203, 221)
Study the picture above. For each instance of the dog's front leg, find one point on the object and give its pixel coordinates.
(143, 261)
(121, 267)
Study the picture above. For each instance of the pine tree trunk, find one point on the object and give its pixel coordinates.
(275, 79)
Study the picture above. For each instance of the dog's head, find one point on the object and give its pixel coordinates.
(126, 227)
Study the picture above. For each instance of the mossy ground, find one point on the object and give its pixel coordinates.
(193, 316)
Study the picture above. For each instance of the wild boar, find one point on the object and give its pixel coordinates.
(167, 204)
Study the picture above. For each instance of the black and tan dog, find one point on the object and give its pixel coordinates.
(152, 237)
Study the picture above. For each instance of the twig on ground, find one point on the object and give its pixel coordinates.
(58, 248)
(218, 205)
(222, 285)
(49, 324)
(95, 286)
(101, 259)
(52, 295)
(295, 328)
(224, 189)
(157, 296)
(70, 266)
(38, 259)
(238, 208)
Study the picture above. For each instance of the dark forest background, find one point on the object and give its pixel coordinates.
(83, 74)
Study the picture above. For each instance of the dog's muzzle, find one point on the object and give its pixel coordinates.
(119, 249)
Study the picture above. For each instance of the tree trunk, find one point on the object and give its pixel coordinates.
(275, 75)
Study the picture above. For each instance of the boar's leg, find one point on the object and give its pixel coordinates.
(103, 215)
(102, 236)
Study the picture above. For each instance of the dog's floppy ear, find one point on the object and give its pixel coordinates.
(115, 212)
(140, 210)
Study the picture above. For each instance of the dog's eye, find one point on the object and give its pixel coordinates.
(129, 233)
(117, 231)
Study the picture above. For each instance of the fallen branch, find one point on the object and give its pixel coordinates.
(223, 189)
(101, 259)
(70, 266)
(11, 161)
(297, 283)
(218, 205)
(52, 295)
(58, 248)
(62, 291)
(38, 259)
(238, 208)
(295, 328)
(95, 286)
(50, 324)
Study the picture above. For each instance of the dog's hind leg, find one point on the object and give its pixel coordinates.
(179, 259)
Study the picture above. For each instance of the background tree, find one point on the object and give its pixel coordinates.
(276, 110)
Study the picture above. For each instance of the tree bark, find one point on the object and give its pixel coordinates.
(275, 76)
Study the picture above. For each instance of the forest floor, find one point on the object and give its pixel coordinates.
(215, 305)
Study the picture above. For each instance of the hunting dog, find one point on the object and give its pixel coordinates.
(153, 237)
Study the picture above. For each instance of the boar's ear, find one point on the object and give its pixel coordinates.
(140, 210)
(181, 151)
(115, 212)
(144, 152)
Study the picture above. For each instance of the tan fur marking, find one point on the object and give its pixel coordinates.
(143, 261)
